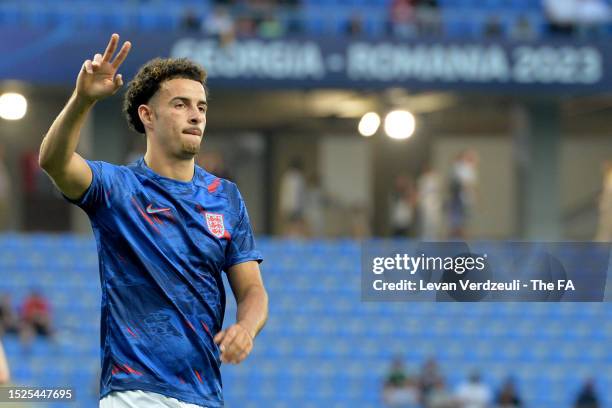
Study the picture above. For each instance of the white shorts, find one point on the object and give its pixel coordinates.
(140, 399)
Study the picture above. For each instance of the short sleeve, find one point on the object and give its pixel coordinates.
(97, 194)
(241, 247)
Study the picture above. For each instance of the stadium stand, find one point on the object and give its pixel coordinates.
(459, 18)
(323, 346)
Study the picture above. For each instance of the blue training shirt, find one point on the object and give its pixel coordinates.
(162, 247)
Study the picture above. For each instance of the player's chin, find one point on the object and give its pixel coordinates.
(190, 148)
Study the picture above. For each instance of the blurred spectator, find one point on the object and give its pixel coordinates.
(5, 375)
(463, 190)
(5, 192)
(400, 390)
(314, 208)
(591, 17)
(429, 195)
(245, 26)
(430, 376)
(270, 27)
(561, 15)
(397, 374)
(191, 21)
(473, 393)
(440, 397)
(522, 30)
(493, 28)
(587, 396)
(35, 317)
(428, 17)
(354, 25)
(220, 25)
(508, 395)
(402, 205)
(292, 197)
(604, 231)
(402, 19)
(8, 318)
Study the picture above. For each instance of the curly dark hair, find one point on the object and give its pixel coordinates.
(148, 80)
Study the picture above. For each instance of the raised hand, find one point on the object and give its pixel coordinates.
(98, 78)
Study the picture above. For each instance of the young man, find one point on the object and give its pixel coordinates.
(165, 229)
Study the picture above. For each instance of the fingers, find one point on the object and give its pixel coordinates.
(247, 332)
(87, 67)
(123, 52)
(219, 337)
(242, 356)
(92, 65)
(237, 351)
(118, 81)
(110, 48)
(97, 60)
(235, 345)
(230, 333)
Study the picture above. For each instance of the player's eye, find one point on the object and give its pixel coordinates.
(179, 105)
(202, 109)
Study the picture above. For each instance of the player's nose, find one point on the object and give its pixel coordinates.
(195, 117)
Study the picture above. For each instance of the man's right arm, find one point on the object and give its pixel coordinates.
(68, 170)
(96, 80)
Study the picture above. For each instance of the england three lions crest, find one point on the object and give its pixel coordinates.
(215, 224)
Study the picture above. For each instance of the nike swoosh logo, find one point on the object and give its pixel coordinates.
(152, 210)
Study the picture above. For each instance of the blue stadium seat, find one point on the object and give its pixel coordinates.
(320, 337)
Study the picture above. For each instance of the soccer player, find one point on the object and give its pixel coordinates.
(166, 230)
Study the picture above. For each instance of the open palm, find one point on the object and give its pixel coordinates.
(98, 78)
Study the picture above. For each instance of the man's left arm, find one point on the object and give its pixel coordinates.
(236, 342)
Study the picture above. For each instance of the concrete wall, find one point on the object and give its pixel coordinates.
(581, 162)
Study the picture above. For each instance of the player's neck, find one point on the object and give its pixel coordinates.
(181, 170)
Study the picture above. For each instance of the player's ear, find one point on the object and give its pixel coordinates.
(145, 113)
